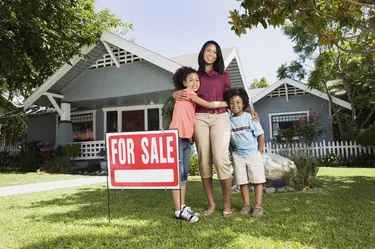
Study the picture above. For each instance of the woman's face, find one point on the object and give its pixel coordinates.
(209, 55)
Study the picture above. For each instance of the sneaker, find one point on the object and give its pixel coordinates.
(185, 215)
(245, 210)
(257, 211)
(191, 211)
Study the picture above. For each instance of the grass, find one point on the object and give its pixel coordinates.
(12, 179)
(338, 213)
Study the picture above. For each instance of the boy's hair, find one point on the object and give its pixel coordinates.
(219, 62)
(241, 92)
(180, 76)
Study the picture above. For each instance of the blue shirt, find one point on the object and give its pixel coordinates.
(244, 134)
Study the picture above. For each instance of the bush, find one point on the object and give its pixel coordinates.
(361, 161)
(5, 159)
(30, 157)
(367, 136)
(72, 150)
(331, 160)
(55, 165)
(307, 169)
(194, 166)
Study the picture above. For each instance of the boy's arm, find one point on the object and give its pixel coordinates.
(208, 105)
(261, 143)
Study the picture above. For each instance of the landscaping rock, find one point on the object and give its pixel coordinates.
(290, 189)
(103, 173)
(251, 188)
(270, 190)
(281, 190)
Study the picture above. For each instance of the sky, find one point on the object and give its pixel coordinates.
(176, 27)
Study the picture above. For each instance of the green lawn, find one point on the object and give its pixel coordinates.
(338, 213)
(12, 179)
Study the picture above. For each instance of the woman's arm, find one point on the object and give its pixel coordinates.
(208, 105)
(253, 114)
(261, 143)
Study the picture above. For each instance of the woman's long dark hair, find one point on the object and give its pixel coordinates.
(219, 62)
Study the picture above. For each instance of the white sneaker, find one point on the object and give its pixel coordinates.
(187, 216)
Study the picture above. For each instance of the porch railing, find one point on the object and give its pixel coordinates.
(91, 150)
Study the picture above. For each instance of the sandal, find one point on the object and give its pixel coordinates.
(208, 212)
(227, 214)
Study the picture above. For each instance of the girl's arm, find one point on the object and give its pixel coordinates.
(208, 105)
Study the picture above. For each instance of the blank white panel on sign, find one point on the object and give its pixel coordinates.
(157, 175)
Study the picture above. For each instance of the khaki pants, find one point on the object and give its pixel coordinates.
(212, 137)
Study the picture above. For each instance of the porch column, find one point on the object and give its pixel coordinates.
(65, 129)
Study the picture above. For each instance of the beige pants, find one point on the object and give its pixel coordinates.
(212, 137)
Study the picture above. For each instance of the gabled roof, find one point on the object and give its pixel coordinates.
(261, 94)
(69, 71)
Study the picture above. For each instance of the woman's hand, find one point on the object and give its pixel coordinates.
(253, 114)
(180, 95)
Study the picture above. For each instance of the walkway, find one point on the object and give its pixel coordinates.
(43, 186)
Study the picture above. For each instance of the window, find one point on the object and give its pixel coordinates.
(83, 127)
(112, 121)
(283, 121)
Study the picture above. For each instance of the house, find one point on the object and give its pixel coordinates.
(283, 102)
(115, 86)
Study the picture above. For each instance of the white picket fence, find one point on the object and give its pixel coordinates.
(12, 149)
(344, 148)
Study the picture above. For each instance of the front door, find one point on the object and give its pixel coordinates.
(133, 120)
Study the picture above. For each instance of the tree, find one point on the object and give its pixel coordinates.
(347, 24)
(259, 84)
(39, 36)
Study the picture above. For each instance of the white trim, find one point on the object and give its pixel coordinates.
(59, 96)
(120, 109)
(280, 114)
(303, 87)
(286, 92)
(55, 105)
(55, 77)
(144, 53)
(115, 60)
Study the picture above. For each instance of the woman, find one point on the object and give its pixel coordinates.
(212, 127)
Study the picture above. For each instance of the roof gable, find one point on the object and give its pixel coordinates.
(299, 89)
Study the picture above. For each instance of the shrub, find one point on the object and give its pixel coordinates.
(5, 159)
(72, 150)
(367, 136)
(308, 128)
(30, 157)
(364, 160)
(167, 109)
(55, 165)
(331, 160)
(307, 169)
(194, 166)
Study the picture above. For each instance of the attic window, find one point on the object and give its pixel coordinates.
(123, 57)
(281, 91)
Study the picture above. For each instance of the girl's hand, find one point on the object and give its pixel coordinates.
(180, 95)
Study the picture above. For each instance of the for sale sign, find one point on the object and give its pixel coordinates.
(140, 160)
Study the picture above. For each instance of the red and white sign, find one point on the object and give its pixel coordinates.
(140, 160)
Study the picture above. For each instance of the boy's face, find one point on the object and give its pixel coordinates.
(236, 105)
(192, 82)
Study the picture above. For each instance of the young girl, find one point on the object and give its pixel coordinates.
(247, 141)
(183, 119)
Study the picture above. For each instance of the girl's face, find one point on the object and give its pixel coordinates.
(236, 105)
(209, 54)
(192, 81)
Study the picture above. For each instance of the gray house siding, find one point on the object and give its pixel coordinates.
(109, 82)
(307, 102)
(42, 127)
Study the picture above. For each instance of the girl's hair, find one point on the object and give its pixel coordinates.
(241, 92)
(219, 62)
(180, 76)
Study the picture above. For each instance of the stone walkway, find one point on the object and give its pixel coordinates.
(44, 186)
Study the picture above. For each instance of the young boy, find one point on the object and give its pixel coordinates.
(247, 141)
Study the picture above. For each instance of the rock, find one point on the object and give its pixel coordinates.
(235, 188)
(290, 189)
(281, 190)
(278, 168)
(305, 189)
(270, 190)
(85, 173)
(103, 173)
